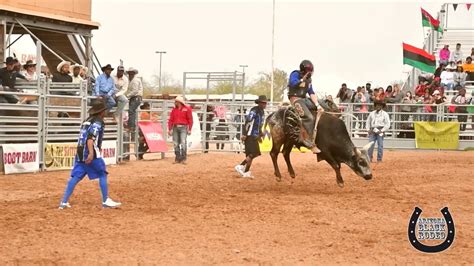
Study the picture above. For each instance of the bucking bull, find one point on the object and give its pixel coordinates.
(332, 139)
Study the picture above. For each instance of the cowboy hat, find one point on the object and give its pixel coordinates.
(108, 66)
(97, 107)
(261, 99)
(60, 65)
(10, 60)
(132, 69)
(77, 65)
(179, 99)
(28, 64)
(436, 92)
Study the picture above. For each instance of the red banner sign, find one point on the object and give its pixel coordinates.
(153, 133)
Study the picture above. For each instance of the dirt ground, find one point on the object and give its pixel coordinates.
(203, 213)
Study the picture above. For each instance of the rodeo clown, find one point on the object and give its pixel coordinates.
(88, 159)
(252, 135)
(298, 86)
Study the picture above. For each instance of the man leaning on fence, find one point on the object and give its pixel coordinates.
(8, 77)
(378, 123)
(105, 87)
(121, 87)
(134, 95)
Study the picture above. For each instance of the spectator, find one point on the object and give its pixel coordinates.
(8, 77)
(396, 96)
(447, 78)
(388, 92)
(435, 85)
(457, 56)
(459, 76)
(461, 101)
(427, 101)
(30, 71)
(105, 87)
(134, 95)
(381, 95)
(180, 124)
(444, 55)
(407, 107)
(469, 68)
(367, 92)
(438, 70)
(438, 98)
(84, 72)
(121, 87)
(344, 94)
(421, 87)
(76, 71)
(378, 123)
(221, 133)
(472, 52)
(207, 119)
(360, 104)
(63, 72)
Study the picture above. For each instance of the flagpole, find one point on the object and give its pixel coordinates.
(273, 54)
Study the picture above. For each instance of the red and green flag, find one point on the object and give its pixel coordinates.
(418, 58)
(429, 21)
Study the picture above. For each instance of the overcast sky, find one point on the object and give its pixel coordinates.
(348, 41)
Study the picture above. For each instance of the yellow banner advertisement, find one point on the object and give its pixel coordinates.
(437, 135)
(60, 156)
(266, 144)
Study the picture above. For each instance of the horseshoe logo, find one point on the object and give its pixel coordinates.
(448, 241)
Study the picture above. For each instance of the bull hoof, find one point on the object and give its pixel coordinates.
(293, 175)
(278, 179)
(340, 184)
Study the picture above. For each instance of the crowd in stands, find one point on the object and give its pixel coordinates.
(453, 74)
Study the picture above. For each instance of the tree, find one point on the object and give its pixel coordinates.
(169, 85)
(262, 85)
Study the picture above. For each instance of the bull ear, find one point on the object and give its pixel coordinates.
(368, 145)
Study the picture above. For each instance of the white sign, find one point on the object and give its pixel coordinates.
(20, 158)
(109, 151)
(195, 139)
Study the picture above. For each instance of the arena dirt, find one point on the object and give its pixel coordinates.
(202, 213)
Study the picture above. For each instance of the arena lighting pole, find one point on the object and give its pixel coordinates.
(159, 79)
(273, 53)
(243, 79)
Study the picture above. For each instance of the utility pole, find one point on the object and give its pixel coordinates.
(159, 78)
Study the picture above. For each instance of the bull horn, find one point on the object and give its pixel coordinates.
(368, 145)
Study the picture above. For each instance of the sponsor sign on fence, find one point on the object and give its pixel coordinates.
(153, 132)
(20, 158)
(60, 156)
(437, 135)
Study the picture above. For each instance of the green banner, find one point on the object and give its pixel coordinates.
(437, 135)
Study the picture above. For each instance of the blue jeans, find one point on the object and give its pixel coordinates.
(109, 101)
(180, 133)
(132, 111)
(379, 140)
(121, 103)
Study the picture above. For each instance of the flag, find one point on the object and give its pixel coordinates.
(468, 6)
(429, 21)
(418, 58)
(455, 6)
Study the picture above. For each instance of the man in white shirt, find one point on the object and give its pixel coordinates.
(456, 55)
(76, 70)
(378, 123)
(134, 94)
(447, 78)
(121, 86)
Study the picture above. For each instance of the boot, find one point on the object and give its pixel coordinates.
(308, 142)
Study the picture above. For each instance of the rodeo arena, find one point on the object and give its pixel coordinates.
(197, 179)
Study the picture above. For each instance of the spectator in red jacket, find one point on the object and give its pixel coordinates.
(180, 124)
